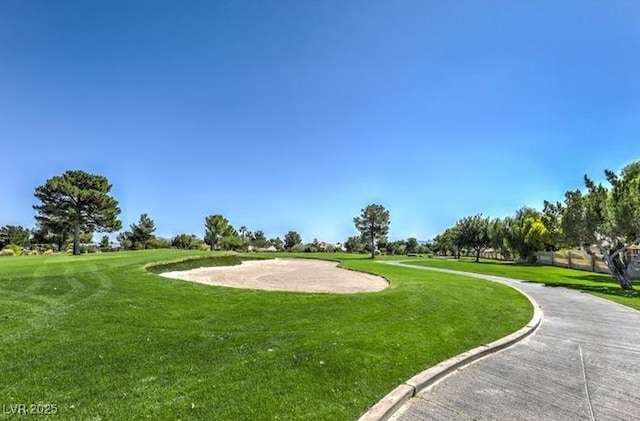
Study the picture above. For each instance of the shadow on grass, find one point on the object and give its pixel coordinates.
(496, 263)
(595, 278)
(582, 281)
(505, 263)
(613, 290)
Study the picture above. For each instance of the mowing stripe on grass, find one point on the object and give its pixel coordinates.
(127, 343)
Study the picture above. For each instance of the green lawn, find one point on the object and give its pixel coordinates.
(102, 338)
(599, 284)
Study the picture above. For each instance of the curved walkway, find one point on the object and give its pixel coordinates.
(582, 363)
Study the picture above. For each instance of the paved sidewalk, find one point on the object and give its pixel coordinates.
(583, 363)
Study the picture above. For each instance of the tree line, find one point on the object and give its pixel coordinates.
(601, 219)
(219, 234)
(75, 205)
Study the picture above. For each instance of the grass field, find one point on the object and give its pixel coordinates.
(598, 284)
(102, 338)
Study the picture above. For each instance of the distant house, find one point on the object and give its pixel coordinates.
(324, 246)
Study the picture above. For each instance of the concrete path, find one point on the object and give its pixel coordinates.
(583, 363)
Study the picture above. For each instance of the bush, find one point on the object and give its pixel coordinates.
(14, 248)
(86, 248)
(7, 252)
(232, 242)
(298, 248)
(188, 242)
(309, 248)
(159, 243)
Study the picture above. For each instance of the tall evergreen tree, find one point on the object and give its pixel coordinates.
(373, 224)
(218, 227)
(141, 234)
(14, 234)
(79, 202)
(52, 233)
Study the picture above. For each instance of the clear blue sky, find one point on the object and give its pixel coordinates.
(296, 114)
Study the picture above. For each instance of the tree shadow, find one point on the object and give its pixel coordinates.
(502, 263)
(581, 281)
(580, 276)
(603, 278)
(613, 290)
(497, 263)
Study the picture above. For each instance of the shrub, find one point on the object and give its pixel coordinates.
(7, 252)
(232, 242)
(188, 242)
(298, 248)
(159, 243)
(16, 249)
(88, 248)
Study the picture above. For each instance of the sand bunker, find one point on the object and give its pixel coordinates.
(285, 275)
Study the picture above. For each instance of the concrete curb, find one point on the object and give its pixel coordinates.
(395, 399)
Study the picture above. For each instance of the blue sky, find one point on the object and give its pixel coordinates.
(296, 114)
